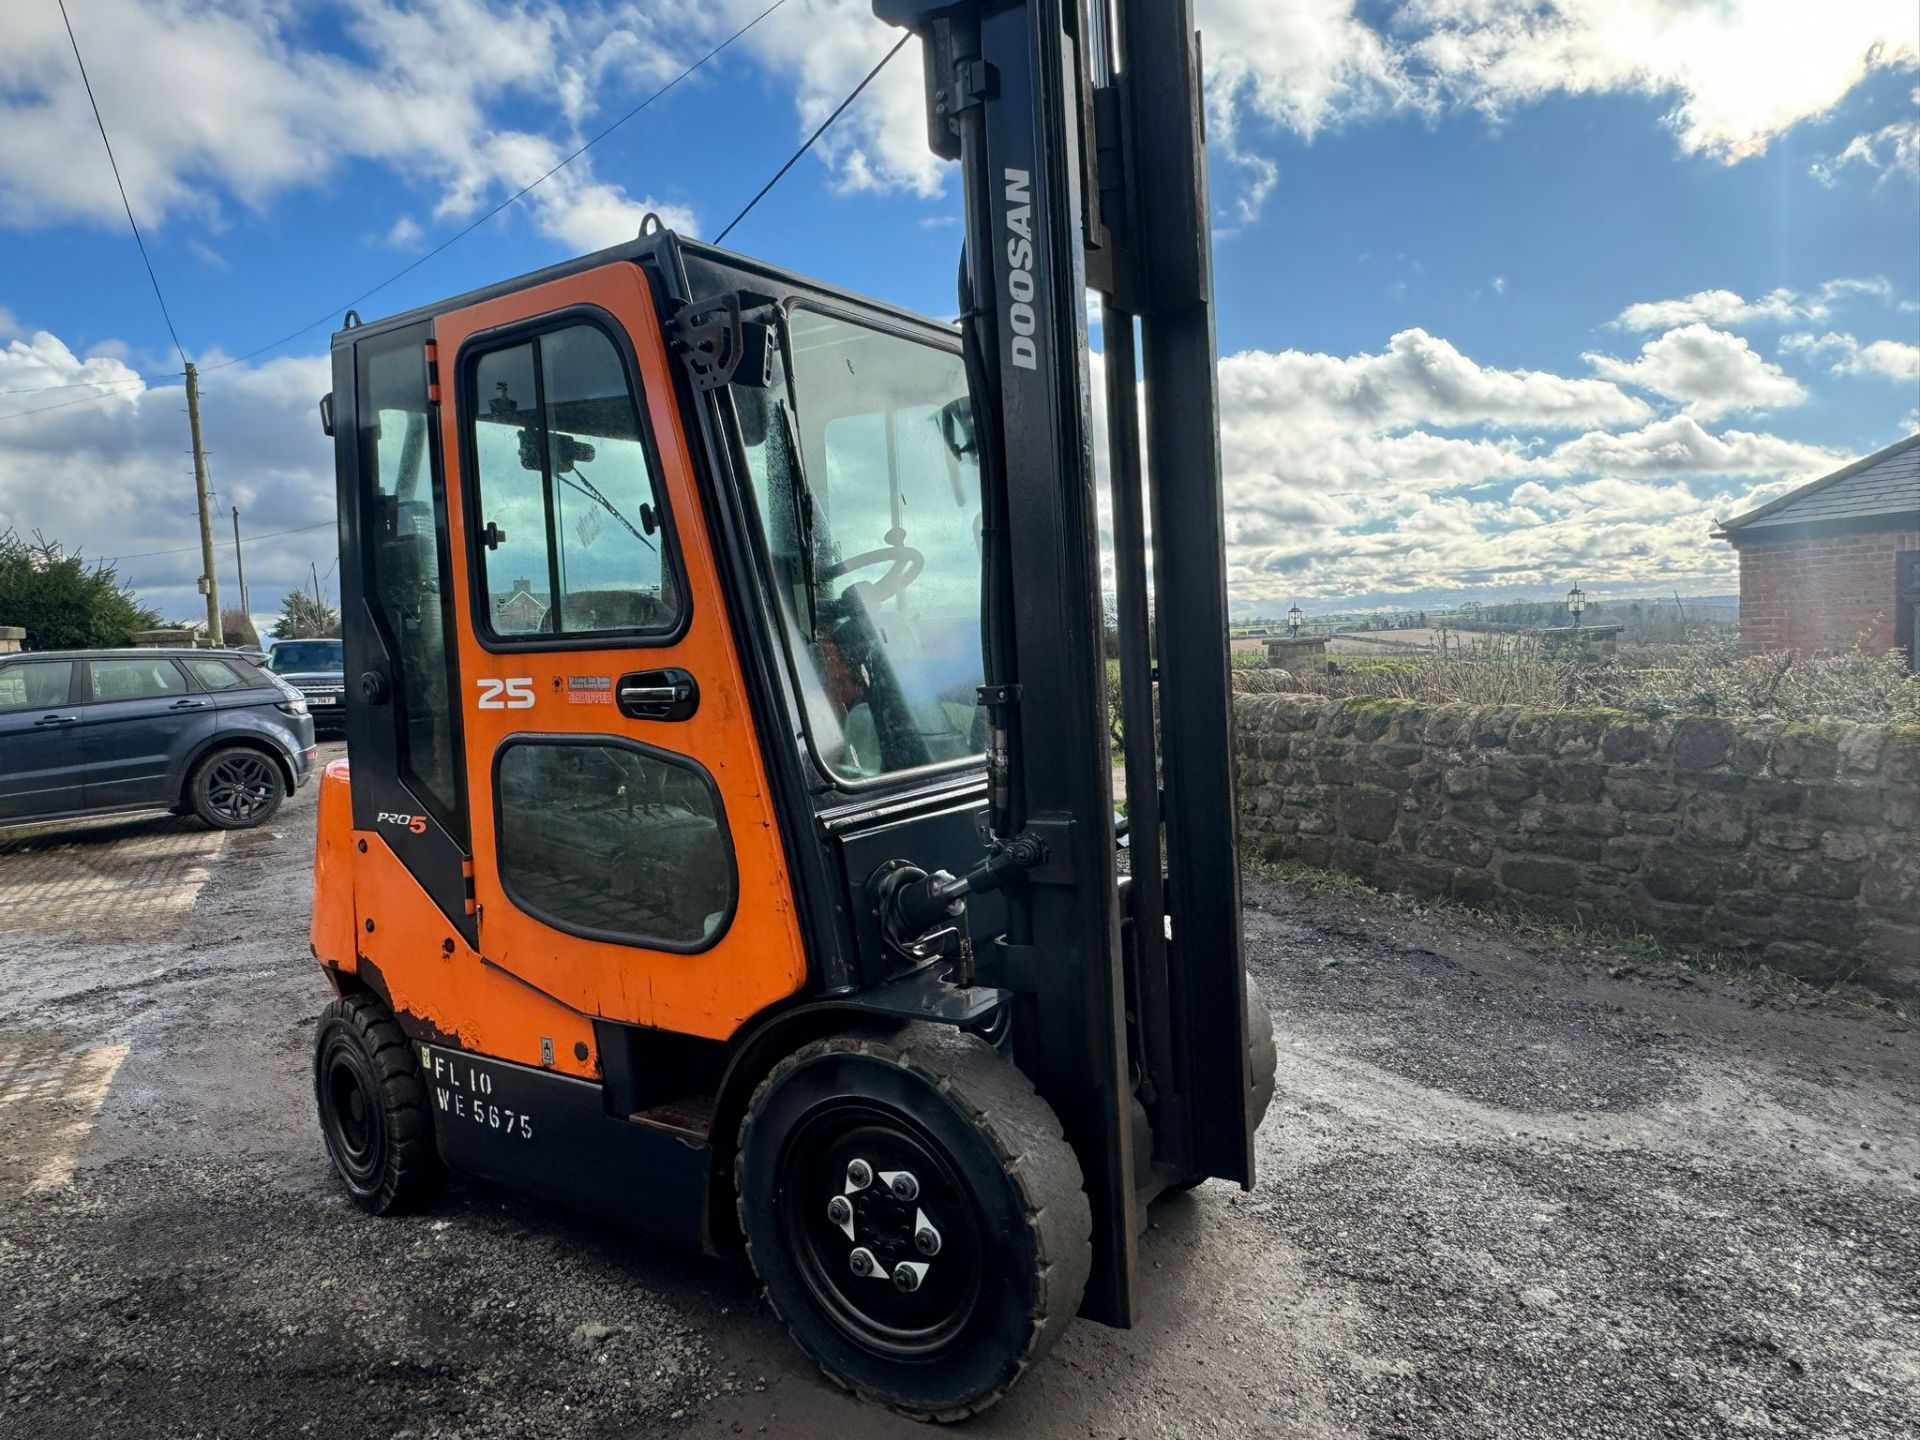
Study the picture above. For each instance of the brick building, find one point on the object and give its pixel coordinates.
(1836, 562)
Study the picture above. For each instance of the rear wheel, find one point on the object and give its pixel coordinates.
(373, 1107)
(236, 788)
(915, 1215)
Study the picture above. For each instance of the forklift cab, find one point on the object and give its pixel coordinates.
(727, 843)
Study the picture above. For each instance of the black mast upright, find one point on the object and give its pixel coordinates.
(1041, 121)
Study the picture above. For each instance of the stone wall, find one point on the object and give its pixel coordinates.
(1797, 843)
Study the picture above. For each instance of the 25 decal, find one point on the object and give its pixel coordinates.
(516, 694)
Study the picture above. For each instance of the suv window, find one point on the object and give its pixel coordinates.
(35, 684)
(135, 679)
(218, 674)
(570, 540)
(295, 656)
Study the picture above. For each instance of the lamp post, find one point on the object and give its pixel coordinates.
(1576, 602)
(1294, 617)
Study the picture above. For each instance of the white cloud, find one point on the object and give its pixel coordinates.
(124, 485)
(1680, 445)
(1737, 73)
(1734, 73)
(1887, 359)
(1729, 309)
(1711, 372)
(1422, 379)
(405, 233)
(1891, 150)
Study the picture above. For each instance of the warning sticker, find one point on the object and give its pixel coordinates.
(589, 690)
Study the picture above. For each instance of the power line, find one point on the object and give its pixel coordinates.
(64, 405)
(135, 379)
(510, 200)
(251, 539)
(794, 159)
(121, 186)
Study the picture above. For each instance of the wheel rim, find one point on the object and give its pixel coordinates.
(872, 1305)
(240, 787)
(350, 1113)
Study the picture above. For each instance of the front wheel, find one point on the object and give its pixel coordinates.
(915, 1215)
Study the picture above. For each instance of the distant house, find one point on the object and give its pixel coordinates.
(521, 612)
(1836, 562)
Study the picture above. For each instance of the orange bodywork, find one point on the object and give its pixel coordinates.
(528, 981)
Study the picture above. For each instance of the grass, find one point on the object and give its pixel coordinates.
(1583, 937)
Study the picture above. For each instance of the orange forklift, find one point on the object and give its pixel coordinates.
(729, 844)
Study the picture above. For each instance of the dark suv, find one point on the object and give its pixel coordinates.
(91, 732)
(317, 669)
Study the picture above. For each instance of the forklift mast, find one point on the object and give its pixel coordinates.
(1080, 142)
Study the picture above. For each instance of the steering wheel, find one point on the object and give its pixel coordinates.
(906, 564)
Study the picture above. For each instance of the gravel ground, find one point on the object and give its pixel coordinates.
(1503, 1193)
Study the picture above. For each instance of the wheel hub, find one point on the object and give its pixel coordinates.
(885, 1231)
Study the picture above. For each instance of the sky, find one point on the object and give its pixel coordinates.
(1511, 294)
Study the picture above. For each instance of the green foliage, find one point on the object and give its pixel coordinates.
(306, 617)
(1707, 676)
(65, 603)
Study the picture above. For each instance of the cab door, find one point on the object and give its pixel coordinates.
(625, 854)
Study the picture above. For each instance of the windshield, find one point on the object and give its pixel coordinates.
(874, 537)
(305, 656)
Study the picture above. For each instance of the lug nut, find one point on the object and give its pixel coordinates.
(927, 1241)
(859, 1174)
(905, 1187)
(862, 1262)
(905, 1277)
(838, 1210)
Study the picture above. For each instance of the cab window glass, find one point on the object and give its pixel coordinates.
(570, 534)
(868, 495)
(614, 841)
(135, 679)
(35, 685)
(403, 512)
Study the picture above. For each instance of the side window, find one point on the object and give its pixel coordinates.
(136, 679)
(568, 513)
(615, 841)
(35, 685)
(402, 514)
(216, 675)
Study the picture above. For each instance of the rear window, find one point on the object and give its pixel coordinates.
(220, 675)
(135, 679)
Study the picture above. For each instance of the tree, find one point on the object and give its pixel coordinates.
(306, 617)
(65, 603)
(236, 627)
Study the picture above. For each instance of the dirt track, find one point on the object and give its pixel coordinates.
(1502, 1194)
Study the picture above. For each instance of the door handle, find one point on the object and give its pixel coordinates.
(188, 705)
(658, 695)
(56, 720)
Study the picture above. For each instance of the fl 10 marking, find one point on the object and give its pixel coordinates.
(461, 1091)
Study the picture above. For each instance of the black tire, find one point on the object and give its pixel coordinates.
(995, 1179)
(236, 788)
(1262, 1063)
(373, 1108)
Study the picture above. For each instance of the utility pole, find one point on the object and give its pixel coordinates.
(212, 585)
(239, 563)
